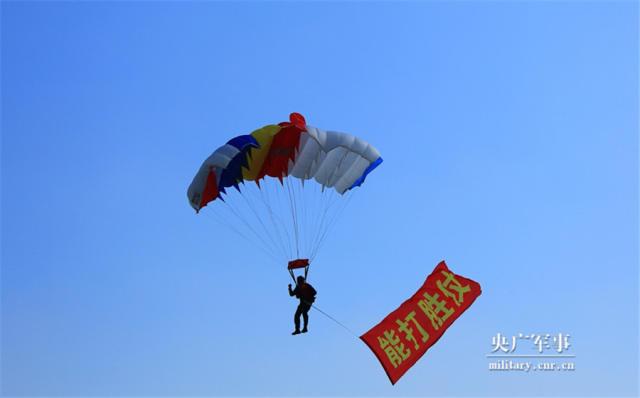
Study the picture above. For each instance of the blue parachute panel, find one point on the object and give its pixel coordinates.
(368, 170)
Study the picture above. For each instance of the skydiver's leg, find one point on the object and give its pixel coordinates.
(305, 316)
(296, 317)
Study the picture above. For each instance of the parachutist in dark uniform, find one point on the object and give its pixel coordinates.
(307, 295)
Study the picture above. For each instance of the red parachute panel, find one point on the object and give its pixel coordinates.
(211, 189)
(284, 147)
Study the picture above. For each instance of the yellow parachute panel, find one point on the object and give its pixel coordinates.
(256, 157)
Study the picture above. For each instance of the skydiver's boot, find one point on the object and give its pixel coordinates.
(304, 330)
(297, 331)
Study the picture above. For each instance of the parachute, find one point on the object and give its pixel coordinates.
(283, 186)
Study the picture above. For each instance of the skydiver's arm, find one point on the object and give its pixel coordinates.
(291, 292)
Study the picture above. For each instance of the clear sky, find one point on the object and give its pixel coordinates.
(510, 137)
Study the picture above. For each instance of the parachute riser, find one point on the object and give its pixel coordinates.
(306, 273)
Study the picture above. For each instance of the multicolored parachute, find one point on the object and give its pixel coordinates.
(279, 159)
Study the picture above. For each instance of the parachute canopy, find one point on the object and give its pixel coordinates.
(336, 160)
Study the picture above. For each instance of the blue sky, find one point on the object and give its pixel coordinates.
(509, 133)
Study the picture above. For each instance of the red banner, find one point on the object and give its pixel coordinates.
(408, 332)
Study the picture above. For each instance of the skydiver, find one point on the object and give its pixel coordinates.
(307, 295)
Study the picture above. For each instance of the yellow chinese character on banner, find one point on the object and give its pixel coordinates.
(408, 331)
(436, 310)
(450, 286)
(395, 350)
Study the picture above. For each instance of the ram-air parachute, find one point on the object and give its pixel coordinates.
(283, 186)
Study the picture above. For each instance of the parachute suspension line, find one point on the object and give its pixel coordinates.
(292, 205)
(302, 211)
(319, 209)
(262, 224)
(278, 194)
(264, 227)
(305, 207)
(330, 226)
(292, 225)
(328, 205)
(248, 225)
(299, 207)
(307, 211)
(326, 217)
(293, 276)
(274, 207)
(312, 213)
(276, 220)
(267, 205)
(220, 219)
(320, 232)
